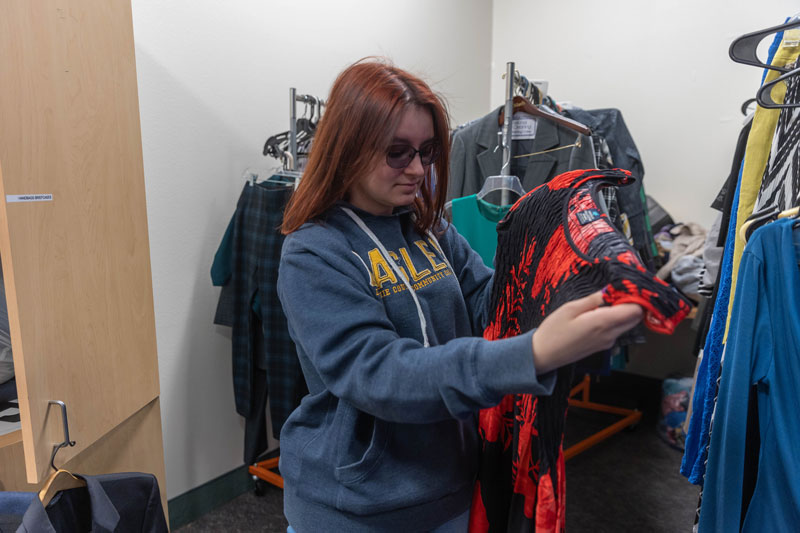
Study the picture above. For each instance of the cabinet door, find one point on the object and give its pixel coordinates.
(76, 263)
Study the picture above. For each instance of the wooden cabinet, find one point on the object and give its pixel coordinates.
(74, 241)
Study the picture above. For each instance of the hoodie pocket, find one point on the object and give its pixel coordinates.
(360, 444)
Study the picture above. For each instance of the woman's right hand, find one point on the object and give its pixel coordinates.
(580, 328)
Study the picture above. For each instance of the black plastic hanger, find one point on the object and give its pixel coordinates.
(746, 104)
(743, 49)
(764, 94)
(275, 145)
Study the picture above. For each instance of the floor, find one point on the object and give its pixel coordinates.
(629, 482)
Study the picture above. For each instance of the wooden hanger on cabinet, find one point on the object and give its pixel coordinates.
(521, 104)
(60, 479)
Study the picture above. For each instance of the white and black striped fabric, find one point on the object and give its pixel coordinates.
(780, 186)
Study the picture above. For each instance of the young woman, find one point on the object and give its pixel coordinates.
(387, 304)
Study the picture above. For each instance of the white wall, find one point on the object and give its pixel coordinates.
(664, 64)
(213, 80)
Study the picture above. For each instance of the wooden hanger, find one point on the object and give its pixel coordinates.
(763, 217)
(793, 212)
(521, 104)
(58, 481)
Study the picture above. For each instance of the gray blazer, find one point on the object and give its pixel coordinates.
(475, 155)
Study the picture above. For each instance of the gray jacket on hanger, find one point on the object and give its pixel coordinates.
(476, 155)
(609, 124)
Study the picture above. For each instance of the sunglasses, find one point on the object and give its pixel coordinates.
(399, 156)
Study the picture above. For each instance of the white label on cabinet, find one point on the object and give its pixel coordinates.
(29, 198)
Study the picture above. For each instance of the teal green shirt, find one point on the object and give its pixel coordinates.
(476, 220)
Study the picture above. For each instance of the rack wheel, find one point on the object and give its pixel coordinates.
(260, 488)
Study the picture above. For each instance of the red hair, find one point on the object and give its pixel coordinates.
(363, 111)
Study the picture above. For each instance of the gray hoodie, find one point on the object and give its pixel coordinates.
(387, 438)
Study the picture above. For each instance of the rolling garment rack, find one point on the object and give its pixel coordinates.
(505, 170)
(264, 471)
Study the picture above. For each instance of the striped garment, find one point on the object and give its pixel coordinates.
(780, 186)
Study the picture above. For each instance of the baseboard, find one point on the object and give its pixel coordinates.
(193, 504)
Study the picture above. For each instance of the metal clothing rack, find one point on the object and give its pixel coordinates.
(307, 99)
(631, 417)
(264, 470)
(505, 170)
(285, 145)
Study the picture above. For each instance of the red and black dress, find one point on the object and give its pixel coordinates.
(555, 245)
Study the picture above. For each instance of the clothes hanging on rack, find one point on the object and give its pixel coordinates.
(758, 148)
(554, 246)
(761, 355)
(476, 154)
(609, 125)
(695, 445)
(780, 185)
(711, 260)
(758, 140)
(702, 429)
(723, 203)
(109, 502)
(264, 356)
(476, 220)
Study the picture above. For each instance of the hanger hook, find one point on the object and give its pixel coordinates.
(66, 442)
(313, 108)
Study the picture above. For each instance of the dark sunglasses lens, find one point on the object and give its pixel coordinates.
(399, 156)
(428, 153)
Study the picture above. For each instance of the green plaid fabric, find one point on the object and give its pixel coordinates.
(247, 262)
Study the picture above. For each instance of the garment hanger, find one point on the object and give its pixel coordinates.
(521, 104)
(495, 183)
(765, 216)
(577, 143)
(743, 49)
(60, 479)
(764, 94)
(306, 127)
(746, 105)
(794, 212)
(280, 175)
(276, 145)
(500, 183)
(756, 220)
